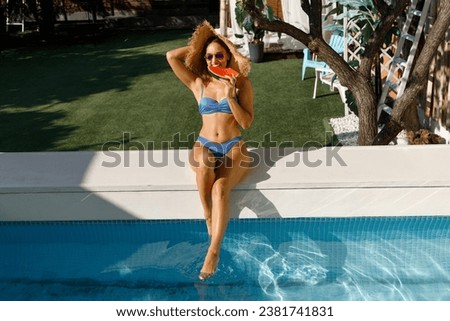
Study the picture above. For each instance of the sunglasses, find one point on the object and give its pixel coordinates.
(218, 56)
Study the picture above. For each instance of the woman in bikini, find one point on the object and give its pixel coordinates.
(219, 157)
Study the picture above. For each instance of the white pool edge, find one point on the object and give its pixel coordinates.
(326, 182)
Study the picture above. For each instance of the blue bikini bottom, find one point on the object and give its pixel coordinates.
(219, 150)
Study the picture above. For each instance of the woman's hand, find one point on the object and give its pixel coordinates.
(242, 108)
(231, 90)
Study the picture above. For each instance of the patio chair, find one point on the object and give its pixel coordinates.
(310, 61)
(327, 76)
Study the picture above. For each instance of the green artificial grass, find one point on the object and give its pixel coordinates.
(121, 92)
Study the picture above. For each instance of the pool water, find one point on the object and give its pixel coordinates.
(395, 258)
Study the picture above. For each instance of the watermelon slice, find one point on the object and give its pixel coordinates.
(219, 72)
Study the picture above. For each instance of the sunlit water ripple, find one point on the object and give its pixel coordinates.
(264, 260)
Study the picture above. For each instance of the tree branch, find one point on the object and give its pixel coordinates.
(315, 18)
(382, 7)
(387, 18)
(276, 25)
(420, 71)
(306, 6)
(418, 76)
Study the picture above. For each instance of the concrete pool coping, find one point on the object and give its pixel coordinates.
(290, 182)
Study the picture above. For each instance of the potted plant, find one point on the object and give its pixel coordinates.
(245, 21)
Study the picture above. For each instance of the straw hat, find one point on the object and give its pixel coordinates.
(195, 60)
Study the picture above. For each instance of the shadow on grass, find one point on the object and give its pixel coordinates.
(31, 131)
(67, 77)
(34, 81)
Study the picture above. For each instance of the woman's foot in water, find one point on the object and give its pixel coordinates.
(209, 265)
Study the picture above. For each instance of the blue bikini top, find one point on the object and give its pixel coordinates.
(208, 105)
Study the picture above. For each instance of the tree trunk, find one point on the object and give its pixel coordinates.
(418, 78)
(359, 82)
(410, 119)
(366, 101)
(388, 133)
(223, 17)
(93, 4)
(47, 26)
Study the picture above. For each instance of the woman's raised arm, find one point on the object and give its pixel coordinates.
(175, 58)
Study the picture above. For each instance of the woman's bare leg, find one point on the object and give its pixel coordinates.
(203, 162)
(227, 176)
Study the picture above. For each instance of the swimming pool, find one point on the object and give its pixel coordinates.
(359, 258)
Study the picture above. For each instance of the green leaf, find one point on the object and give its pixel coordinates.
(270, 14)
(353, 63)
(355, 3)
(247, 24)
(332, 12)
(334, 28)
(260, 4)
(367, 33)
